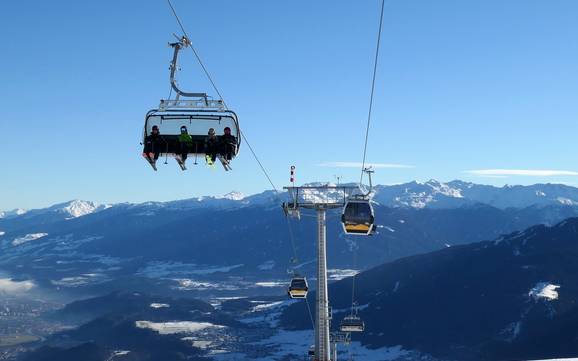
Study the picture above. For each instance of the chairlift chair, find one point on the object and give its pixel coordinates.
(352, 323)
(196, 111)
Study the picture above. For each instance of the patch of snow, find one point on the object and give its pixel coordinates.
(540, 194)
(339, 274)
(396, 287)
(159, 305)
(267, 265)
(389, 229)
(267, 306)
(2, 233)
(186, 284)
(544, 290)
(28, 238)
(119, 353)
(170, 328)
(82, 280)
(271, 284)
(566, 201)
(9, 286)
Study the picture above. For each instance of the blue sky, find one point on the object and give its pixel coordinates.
(486, 86)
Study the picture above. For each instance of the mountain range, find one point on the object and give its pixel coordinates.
(183, 244)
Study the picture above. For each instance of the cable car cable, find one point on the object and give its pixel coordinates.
(290, 229)
(369, 113)
(310, 314)
(353, 278)
(372, 91)
(197, 54)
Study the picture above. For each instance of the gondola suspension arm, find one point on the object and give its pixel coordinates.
(369, 171)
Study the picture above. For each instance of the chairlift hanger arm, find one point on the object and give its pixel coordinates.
(182, 43)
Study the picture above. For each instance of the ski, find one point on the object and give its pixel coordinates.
(180, 162)
(225, 163)
(150, 160)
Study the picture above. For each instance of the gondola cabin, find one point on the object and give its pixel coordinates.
(298, 288)
(352, 323)
(358, 217)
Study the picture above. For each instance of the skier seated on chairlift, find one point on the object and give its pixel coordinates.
(153, 145)
(211, 147)
(185, 142)
(228, 144)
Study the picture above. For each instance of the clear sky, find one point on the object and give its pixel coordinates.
(484, 85)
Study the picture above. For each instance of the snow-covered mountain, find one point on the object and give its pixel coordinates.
(77, 208)
(71, 209)
(435, 194)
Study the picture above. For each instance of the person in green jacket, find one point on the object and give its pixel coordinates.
(186, 143)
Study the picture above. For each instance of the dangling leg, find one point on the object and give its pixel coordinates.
(230, 149)
(181, 158)
(148, 155)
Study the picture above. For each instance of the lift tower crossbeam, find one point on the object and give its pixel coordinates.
(320, 199)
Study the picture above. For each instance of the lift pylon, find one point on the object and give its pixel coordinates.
(320, 199)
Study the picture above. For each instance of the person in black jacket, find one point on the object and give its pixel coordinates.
(211, 147)
(228, 144)
(154, 143)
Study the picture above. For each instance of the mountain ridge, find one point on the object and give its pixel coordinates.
(414, 194)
